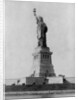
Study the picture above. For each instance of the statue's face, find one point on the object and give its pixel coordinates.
(40, 19)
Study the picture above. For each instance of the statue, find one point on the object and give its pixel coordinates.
(41, 30)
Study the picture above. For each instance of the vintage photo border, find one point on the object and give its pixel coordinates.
(2, 37)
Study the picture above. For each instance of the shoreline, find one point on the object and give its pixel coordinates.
(39, 92)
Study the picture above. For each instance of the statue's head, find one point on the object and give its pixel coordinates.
(40, 19)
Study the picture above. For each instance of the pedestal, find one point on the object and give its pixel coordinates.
(42, 63)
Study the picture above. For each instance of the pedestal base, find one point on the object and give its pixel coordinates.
(43, 80)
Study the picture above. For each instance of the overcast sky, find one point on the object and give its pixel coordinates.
(21, 36)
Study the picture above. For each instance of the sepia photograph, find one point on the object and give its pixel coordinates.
(39, 50)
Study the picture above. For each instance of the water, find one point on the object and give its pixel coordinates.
(44, 95)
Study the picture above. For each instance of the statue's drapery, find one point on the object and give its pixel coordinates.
(41, 32)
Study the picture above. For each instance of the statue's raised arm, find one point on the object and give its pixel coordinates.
(34, 10)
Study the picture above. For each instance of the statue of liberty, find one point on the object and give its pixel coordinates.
(41, 30)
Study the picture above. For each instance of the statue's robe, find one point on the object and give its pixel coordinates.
(41, 33)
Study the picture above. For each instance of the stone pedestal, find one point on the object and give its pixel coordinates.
(42, 63)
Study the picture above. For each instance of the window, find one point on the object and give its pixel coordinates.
(45, 56)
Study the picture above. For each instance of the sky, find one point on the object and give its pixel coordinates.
(21, 36)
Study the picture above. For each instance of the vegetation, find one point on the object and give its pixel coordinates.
(23, 87)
